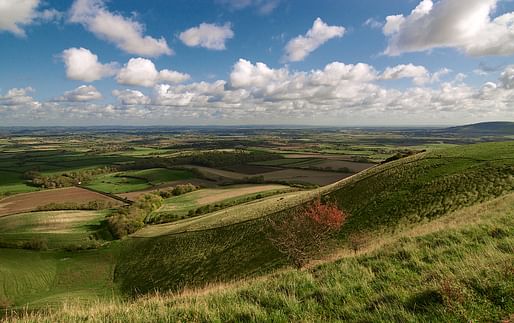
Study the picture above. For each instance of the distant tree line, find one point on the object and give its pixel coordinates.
(206, 159)
(400, 155)
(91, 205)
(66, 179)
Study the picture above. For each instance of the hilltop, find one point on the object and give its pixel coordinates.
(498, 128)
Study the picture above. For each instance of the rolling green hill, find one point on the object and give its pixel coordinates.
(458, 268)
(398, 282)
(386, 198)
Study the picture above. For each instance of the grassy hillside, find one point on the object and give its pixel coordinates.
(426, 186)
(231, 244)
(385, 198)
(455, 269)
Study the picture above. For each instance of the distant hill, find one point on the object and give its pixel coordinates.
(485, 128)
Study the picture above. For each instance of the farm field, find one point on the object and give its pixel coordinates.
(140, 180)
(32, 201)
(180, 206)
(55, 229)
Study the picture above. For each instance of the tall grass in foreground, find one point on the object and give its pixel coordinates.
(454, 269)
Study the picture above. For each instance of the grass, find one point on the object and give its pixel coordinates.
(13, 183)
(57, 228)
(181, 205)
(132, 181)
(458, 268)
(426, 186)
(115, 183)
(404, 277)
(45, 278)
(156, 176)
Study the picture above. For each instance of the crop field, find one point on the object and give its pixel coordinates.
(156, 176)
(132, 181)
(55, 228)
(32, 201)
(182, 205)
(305, 176)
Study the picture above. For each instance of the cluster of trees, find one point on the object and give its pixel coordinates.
(129, 219)
(35, 243)
(91, 205)
(305, 232)
(207, 159)
(178, 190)
(400, 155)
(66, 179)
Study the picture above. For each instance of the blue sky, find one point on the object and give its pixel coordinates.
(333, 62)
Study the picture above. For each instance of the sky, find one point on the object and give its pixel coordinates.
(256, 62)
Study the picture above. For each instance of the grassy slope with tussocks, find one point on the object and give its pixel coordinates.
(454, 269)
(385, 198)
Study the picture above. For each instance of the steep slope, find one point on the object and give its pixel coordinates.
(458, 268)
(385, 198)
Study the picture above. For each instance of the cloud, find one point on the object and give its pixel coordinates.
(297, 49)
(263, 6)
(373, 23)
(18, 97)
(82, 93)
(142, 72)
(336, 94)
(82, 65)
(209, 36)
(14, 15)
(419, 74)
(126, 33)
(465, 25)
(131, 97)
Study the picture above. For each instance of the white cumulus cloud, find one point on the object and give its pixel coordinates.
(126, 33)
(209, 36)
(142, 72)
(82, 93)
(131, 97)
(297, 49)
(467, 25)
(16, 14)
(82, 65)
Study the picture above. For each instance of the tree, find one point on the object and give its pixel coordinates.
(305, 232)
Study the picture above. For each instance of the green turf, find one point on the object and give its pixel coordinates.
(40, 278)
(13, 183)
(156, 176)
(456, 269)
(59, 229)
(115, 183)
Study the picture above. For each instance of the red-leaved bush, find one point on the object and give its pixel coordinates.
(306, 232)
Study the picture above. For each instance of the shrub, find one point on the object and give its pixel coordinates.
(306, 231)
(37, 244)
(129, 219)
